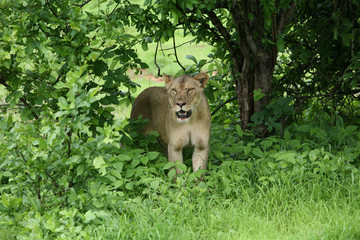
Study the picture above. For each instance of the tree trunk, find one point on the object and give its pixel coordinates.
(263, 81)
(253, 61)
(258, 59)
(254, 77)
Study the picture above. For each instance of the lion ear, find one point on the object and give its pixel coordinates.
(168, 79)
(203, 78)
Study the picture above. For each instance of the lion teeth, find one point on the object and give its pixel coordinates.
(183, 114)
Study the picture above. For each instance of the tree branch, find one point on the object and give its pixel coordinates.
(83, 4)
(52, 179)
(37, 190)
(51, 10)
(219, 107)
(182, 44)
(176, 57)
(285, 17)
(336, 93)
(226, 35)
(112, 12)
(156, 50)
(217, 23)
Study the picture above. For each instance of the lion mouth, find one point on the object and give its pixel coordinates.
(183, 114)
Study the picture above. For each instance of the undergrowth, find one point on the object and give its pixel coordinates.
(302, 185)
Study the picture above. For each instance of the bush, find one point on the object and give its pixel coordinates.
(61, 181)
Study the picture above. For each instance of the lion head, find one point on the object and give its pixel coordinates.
(185, 93)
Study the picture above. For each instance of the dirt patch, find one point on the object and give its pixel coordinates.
(145, 74)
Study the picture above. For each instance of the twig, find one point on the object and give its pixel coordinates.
(112, 12)
(177, 60)
(69, 142)
(51, 10)
(218, 108)
(162, 50)
(320, 96)
(83, 4)
(156, 49)
(57, 79)
(51, 177)
(19, 153)
(166, 49)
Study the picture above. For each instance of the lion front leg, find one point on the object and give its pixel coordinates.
(199, 158)
(175, 154)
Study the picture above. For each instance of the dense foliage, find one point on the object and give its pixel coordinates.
(57, 55)
(70, 169)
(322, 67)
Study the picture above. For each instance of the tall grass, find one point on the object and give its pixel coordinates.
(279, 212)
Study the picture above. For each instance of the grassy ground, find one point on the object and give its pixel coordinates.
(276, 213)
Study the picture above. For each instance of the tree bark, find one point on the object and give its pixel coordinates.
(258, 60)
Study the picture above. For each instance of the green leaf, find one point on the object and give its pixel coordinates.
(351, 129)
(258, 94)
(314, 154)
(6, 174)
(283, 164)
(218, 154)
(74, 159)
(93, 91)
(144, 160)
(118, 183)
(155, 184)
(280, 45)
(119, 166)
(124, 157)
(93, 56)
(172, 173)
(89, 216)
(169, 165)
(191, 57)
(98, 162)
(144, 45)
(257, 152)
(135, 162)
(153, 155)
(304, 128)
(42, 144)
(62, 103)
(239, 130)
(266, 144)
(247, 150)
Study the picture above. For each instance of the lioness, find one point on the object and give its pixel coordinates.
(180, 113)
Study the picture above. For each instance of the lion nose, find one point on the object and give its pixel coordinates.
(181, 104)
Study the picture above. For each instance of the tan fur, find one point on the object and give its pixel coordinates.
(182, 95)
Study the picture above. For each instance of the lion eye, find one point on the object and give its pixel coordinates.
(173, 90)
(190, 90)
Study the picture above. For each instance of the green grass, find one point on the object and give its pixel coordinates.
(274, 213)
(281, 211)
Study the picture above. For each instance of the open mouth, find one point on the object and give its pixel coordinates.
(183, 114)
